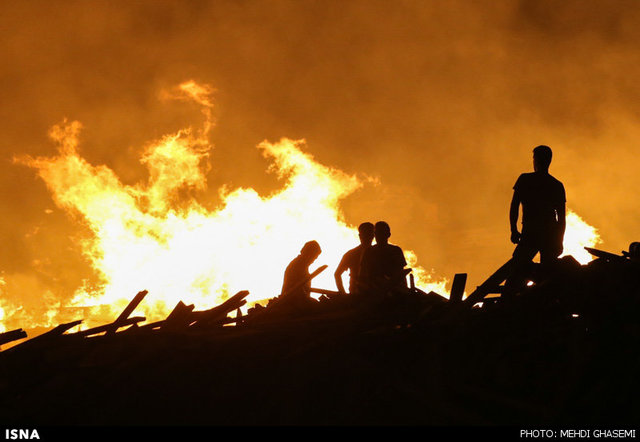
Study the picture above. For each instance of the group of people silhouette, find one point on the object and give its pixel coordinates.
(380, 267)
(372, 267)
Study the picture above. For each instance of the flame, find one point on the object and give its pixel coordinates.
(578, 235)
(146, 236)
(2, 327)
(427, 281)
(156, 236)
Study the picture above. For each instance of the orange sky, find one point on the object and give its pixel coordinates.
(442, 102)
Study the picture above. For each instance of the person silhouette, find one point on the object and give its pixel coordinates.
(352, 259)
(296, 286)
(543, 201)
(382, 268)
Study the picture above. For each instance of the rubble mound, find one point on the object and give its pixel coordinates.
(565, 350)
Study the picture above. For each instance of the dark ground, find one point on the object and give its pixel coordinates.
(409, 360)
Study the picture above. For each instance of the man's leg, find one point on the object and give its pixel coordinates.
(549, 258)
(522, 259)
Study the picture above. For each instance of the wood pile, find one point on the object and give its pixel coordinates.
(565, 350)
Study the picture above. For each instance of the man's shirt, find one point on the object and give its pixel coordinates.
(541, 196)
(382, 261)
(351, 261)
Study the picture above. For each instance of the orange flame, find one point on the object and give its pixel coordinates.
(2, 315)
(145, 236)
(142, 239)
(579, 235)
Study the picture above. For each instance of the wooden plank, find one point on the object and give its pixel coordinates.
(232, 303)
(127, 311)
(55, 332)
(433, 295)
(605, 255)
(181, 316)
(107, 327)
(457, 288)
(12, 335)
(490, 284)
(60, 329)
(152, 325)
(220, 312)
(161, 325)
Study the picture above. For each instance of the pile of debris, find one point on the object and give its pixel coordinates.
(563, 351)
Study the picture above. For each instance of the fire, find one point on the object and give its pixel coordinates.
(156, 236)
(3, 328)
(579, 235)
(146, 236)
(424, 280)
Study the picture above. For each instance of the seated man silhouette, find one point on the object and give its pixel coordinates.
(543, 203)
(296, 287)
(382, 268)
(351, 260)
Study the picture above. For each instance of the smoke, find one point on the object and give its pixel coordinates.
(442, 102)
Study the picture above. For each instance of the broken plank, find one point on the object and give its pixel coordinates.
(457, 287)
(605, 255)
(232, 303)
(12, 335)
(127, 311)
(55, 332)
(152, 325)
(107, 327)
(229, 305)
(490, 284)
(161, 325)
(59, 330)
(220, 312)
(181, 316)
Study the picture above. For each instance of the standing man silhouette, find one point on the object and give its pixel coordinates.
(351, 260)
(543, 201)
(383, 264)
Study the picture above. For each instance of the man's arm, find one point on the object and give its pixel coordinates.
(402, 272)
(514, 211)
(561, 209)
(342, 267)
(562, 221)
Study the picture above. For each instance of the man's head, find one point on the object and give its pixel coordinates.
(365, 231)
(382, 232)
(541, 158)
(310, 251)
